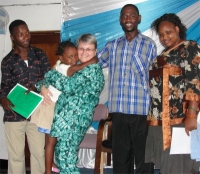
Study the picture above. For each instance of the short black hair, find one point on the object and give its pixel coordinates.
(16, 23)
(172, 18)
(62, 45)
(131, 5)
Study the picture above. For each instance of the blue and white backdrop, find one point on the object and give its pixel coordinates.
(101, 18)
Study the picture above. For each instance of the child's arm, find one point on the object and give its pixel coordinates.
(73, 69)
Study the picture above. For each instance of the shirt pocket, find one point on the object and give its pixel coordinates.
(140, 74)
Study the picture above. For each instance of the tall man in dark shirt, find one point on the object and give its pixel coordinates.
(24, 65)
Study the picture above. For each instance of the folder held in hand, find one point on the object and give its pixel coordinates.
(24, 102)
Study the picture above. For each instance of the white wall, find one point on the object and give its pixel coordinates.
(40, 15)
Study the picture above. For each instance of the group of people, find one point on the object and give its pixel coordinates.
(134, 100)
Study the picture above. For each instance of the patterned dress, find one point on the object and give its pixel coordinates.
(187, 57)
(73, 112)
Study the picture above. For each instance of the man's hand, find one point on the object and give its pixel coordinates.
(31, 88)
(6, 104)
(190, 124)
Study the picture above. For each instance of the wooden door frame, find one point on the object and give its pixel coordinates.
(43, 39)
(38, 36)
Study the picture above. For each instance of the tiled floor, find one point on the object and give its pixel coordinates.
(3, 169)
(82, 171)
(91, 171)
(106, 171)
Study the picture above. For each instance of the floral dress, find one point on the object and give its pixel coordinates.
(73, 111)
(187, 57)
(186, 85)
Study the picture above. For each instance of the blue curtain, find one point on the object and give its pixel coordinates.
(105, 26)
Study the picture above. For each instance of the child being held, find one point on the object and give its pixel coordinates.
(66, 65)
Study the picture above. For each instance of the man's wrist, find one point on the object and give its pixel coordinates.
(2, 97)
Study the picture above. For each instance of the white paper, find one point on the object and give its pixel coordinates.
(55, 93)
(198, 118)
(180, 141)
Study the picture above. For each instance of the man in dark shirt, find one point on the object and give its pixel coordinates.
(25, 65)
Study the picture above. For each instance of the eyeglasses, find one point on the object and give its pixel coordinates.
(87, 49)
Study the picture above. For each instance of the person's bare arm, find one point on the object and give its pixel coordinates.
(191, 116)
(73, 69)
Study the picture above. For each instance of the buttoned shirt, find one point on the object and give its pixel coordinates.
(128, 63)
(15, 70)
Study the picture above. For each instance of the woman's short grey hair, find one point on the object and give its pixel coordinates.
(87, 38)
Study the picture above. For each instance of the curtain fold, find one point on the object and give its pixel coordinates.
(101, 18)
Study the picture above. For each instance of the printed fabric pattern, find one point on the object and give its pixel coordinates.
(14, 70)
(73, 112)
(187, 57)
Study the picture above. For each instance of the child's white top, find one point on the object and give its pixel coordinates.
(61, 68)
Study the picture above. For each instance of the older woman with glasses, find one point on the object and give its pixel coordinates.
(75, 106)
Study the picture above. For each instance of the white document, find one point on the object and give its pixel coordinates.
(55, 93)
(180, 141)
(198, 118)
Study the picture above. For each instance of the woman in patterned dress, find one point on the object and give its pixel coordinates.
(75, 106)
(184, 56)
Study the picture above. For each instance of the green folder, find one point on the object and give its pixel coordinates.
(24, 103)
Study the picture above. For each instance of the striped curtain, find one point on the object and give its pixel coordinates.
(101, 18)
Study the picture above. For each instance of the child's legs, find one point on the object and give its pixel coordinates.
(49, 152)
